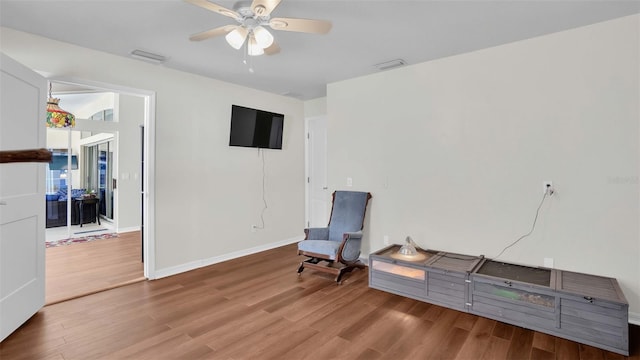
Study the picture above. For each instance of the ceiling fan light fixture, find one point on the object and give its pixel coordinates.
(263, 37)
(236, 37)
(253, 48)
(250, 33)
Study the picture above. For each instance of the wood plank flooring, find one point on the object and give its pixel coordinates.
(80, 269)
(256, 307)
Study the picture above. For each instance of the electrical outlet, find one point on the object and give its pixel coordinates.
(386, 239)
(547, 186)
(349, 181)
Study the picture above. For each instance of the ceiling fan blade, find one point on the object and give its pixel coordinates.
(264, 7)
(301, 25)
(223, 30)
(272, 50)
(215, 8)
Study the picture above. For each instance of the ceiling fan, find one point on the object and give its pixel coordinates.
(252, 20)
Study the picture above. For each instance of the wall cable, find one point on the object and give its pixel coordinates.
(535, 220)
(264, 192)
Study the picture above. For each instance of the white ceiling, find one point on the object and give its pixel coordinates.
(364, 33)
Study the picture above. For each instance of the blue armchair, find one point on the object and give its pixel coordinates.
(341, 240)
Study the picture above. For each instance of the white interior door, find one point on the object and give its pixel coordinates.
(319, 195)
(23, 95)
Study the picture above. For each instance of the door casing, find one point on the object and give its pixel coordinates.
(148, 203)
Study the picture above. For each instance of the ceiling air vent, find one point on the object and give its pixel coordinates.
(292, 94)
(147, 56)
(390, 64)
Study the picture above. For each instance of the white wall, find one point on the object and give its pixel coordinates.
(455, 151)
(207, 194)
(315, 107)
(130, 113)
(85, 105)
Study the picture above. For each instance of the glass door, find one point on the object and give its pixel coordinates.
(105, 178)
(99, 174)
(58, 177)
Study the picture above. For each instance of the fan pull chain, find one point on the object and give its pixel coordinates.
(250, 57)
(246, 52)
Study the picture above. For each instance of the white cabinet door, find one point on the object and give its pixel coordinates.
(23, 95)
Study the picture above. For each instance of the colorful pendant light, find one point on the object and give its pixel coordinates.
(57, 117)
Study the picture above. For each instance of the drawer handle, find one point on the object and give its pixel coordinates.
(508, 283)
(589, 299)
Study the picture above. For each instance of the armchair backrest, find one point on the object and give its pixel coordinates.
(347, 213)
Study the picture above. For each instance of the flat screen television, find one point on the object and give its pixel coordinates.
(60, 162)
(255, 128)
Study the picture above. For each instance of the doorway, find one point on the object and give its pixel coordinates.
(108, 175)
(84, 191)
(89, 201)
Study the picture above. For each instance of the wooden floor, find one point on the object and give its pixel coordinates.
(256, 307)
(80, 269)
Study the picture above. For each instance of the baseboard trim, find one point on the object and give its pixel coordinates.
(174, 270)
(128, 229)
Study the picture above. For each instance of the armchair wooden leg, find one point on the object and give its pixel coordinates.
(349, 268)
(343, 271)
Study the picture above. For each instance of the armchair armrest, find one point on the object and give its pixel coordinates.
(353, 235)
(316, 233)
(350, 248)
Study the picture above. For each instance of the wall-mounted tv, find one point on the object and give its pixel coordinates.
(60, 162)
(255, 128)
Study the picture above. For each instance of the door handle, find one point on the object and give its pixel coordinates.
(324, 188)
